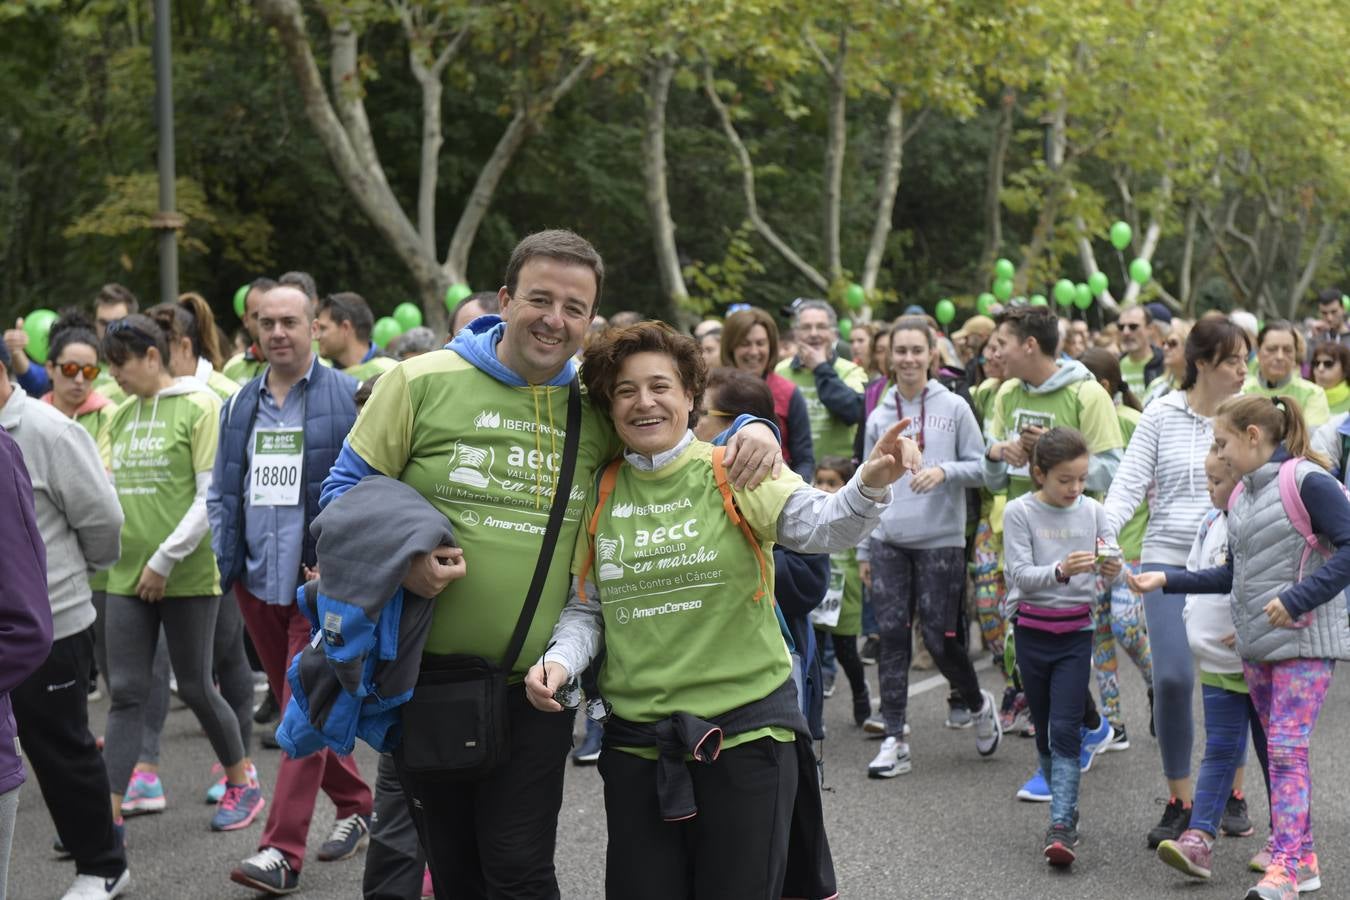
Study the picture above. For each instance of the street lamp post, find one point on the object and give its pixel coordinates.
(167, 221)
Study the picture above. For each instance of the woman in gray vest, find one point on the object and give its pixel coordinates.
(1287, 610)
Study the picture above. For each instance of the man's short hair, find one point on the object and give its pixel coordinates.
(413, 341)
(1329, 296)
(1033, 322)
(562, 245)
(262, 284)
(804, 305)
(114, 294)
(346, 306)
(1142, 307)
(302, 280)
(485, 299)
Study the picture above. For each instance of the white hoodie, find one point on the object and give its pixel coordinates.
(1165, 463)
(1209, 617)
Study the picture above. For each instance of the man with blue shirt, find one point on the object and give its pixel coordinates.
(279, 436)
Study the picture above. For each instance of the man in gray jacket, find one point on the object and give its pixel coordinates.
(80, 521)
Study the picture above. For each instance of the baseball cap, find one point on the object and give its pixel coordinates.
(1159, 312)
(981, 325)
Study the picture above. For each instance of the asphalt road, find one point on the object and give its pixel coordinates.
(952, 828)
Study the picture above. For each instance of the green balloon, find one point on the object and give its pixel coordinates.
(1003, 288)
(1063, 292)
(1345, 301)
(1098, 283)
(984, 303)
(1082, 296)
(408, 315)
(455, 293)
(945, 311)
(845, 329)
(855, 296)
(1004, 269)
(1121, 233)
(241, 300)
(1141, 270)
(1038, 300)
(38, 324)
(385, 330)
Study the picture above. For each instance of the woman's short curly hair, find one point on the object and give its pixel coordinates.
(606, 354)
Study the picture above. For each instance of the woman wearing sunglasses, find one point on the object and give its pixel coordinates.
(161, 446)
(1174, 362)
(1330, 365)
(73, 366)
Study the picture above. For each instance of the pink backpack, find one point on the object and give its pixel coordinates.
(1297, 512)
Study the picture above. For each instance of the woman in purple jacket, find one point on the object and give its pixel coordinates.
(25, 622)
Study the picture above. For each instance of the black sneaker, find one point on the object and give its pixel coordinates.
(871, 648)
(1235, 821)
(1119, 739)
(1175, 819)
(267, 871)
(1060, 842)
(267, 711)
(268, 739)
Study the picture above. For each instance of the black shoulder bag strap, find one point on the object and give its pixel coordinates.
(561, 493)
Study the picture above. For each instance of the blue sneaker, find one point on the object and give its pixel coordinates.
(217, 788)
(587, 753)
(1035, 790)
(238, 807)
(1094, 742)
(145, 794)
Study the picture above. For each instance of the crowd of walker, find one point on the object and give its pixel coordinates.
(712, 526)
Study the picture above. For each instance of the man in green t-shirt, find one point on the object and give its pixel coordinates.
(1141, 362)
(832, 386)
(344, 324)
(1040, 393)
(479, 430)
(244, 367)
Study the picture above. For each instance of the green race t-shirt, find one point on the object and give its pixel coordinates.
(157, 447)
(487, 456)
(373, 366)
(1133, 373)
(844, 572)
(222, 385)
(676, 582)
(1131, 535)
(829, 435)
(1084, 405)
(1316, 409)
(242, 368)
(106, 385)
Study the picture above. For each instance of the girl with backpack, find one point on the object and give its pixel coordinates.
(1287, 633)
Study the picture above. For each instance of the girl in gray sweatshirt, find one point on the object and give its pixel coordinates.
(1055, 543)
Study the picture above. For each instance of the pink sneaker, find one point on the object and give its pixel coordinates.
(1261, 861)
(428, 890)
(1309, 873)
(1276, 885)
(1191, 854)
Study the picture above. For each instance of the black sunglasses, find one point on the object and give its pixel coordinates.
(1324, 364)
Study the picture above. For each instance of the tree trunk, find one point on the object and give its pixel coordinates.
(1188, 258)
(655, 192)
(1324, 237)
(747, 168)
(525, 119)
(836, 141)
(363, 178)
(993, 184)
(892, 156)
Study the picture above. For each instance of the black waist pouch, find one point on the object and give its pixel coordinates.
(456, 723)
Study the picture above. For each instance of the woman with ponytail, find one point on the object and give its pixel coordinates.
(194, 342)
(1290, 625)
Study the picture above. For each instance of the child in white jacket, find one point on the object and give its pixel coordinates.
(1209, 631)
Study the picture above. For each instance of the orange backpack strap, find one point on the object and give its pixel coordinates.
(607, 482)
(729, 503)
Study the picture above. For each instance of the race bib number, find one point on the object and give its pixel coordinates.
(278, 459)
(1022, 420)
(826, 615)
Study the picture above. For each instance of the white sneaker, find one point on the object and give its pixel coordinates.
(96, 887)
(988, 729)
(891, 760)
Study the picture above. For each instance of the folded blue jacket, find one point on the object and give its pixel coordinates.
(367, 632)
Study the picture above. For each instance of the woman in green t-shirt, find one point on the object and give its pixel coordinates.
(1279, 350)
(695, 662)
(1330, 368)
(161, 446)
